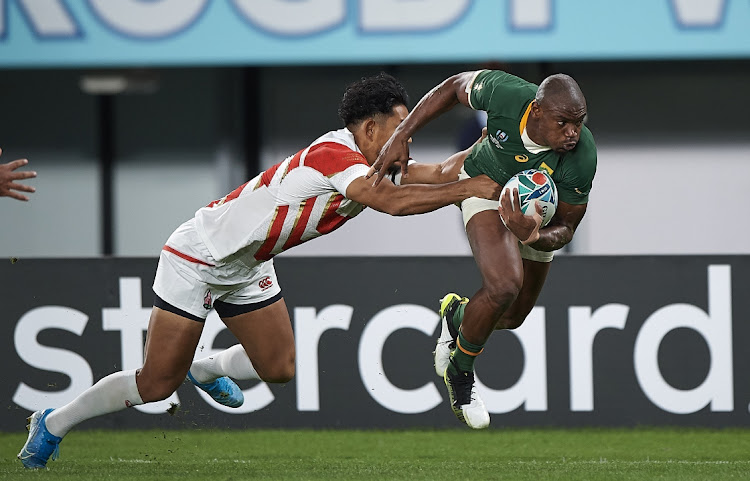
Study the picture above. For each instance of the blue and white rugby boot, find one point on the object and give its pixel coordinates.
(40, 444)
(446, 343)
(465, 402)
(223, 390)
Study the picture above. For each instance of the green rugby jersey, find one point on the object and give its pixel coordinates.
(502, 154)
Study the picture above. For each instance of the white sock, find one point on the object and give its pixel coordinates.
(232, 362)
(112, 393)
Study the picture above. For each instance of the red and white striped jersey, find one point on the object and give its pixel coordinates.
(294, 201)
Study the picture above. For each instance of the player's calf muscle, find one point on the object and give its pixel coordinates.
(276, 370)
(509, 322)
(152, 389)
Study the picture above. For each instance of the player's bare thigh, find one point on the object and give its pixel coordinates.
(170, 345)
(495, 250)
(534, 276)
(496, 254)
(268, 339)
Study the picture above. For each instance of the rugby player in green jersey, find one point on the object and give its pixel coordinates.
(528, 127)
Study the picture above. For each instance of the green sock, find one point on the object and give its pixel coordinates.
(464, 355)
(458, 316)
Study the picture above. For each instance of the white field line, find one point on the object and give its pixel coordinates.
(631, 463)
(534, 462)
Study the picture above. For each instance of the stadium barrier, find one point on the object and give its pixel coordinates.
(613, 341)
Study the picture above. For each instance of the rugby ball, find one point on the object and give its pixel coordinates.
(534, 186)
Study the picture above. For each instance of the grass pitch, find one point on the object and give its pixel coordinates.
(517, 454)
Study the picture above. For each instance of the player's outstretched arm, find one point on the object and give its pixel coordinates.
(9, 187)
(442, 173)
(419, 198)
(437, 101)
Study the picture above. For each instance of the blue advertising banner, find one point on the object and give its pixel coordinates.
(117, 33)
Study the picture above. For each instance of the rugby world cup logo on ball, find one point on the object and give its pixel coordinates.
(535, 186)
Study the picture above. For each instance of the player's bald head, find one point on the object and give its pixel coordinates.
(560, 91)
(557, 113)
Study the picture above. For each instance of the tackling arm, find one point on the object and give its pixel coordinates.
(437, 101)
(419, 198)
(442, 173)
(445, 171)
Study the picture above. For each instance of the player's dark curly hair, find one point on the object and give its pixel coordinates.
(370, 96)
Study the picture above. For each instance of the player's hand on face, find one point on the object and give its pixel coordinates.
(8, 185)
(486, 188)
(524, 227)
(394, 150)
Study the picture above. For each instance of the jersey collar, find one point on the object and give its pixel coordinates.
(529, 144)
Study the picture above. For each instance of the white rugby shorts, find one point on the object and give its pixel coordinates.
(473, 205)
(189, 279)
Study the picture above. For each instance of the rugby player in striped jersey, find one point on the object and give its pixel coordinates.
(222, 259)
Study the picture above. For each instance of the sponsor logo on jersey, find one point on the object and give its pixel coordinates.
(578, 191)
(265, 283)
(546, 167)
(478, 86)
(207, 301)
(501, 136)
(522, 158)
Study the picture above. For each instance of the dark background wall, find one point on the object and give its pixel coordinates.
(613, 341)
